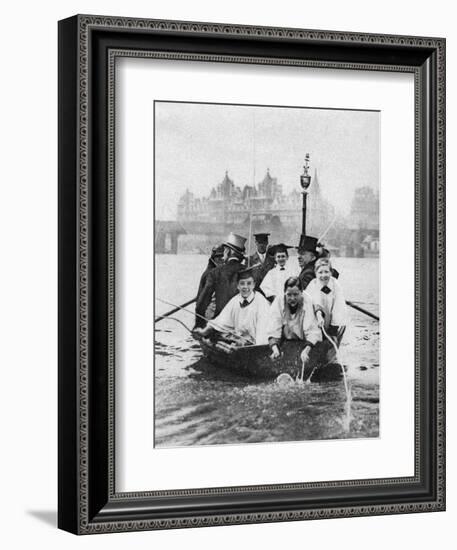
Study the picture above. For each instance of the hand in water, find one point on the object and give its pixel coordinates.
(276, 353)
(305, 355)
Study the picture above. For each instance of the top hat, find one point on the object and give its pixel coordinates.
(281, 247)
(261, 237)
(236, 243)
(307, 244)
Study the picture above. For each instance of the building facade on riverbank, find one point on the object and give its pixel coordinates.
(263, 207)
(247, 209)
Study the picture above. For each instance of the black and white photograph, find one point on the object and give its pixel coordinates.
(266, 286)
(224, 306)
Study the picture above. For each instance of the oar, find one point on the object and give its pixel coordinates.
(180, 322)
(174, 310)
(219, 328)
(358, 308)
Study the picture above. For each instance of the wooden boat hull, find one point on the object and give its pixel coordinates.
(255, 362)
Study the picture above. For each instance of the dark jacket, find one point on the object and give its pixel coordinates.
(260, 271)
(222, 282)
(307, 274)
(211, 265)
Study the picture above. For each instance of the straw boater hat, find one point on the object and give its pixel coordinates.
(307, 244)
(236, 243)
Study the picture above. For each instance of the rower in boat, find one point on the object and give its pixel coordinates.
(221, 282)
(292, 318)
(216, 259)
(273, 283)
(329, 304)
(245, 316)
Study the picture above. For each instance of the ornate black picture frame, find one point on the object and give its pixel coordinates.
(88, 501)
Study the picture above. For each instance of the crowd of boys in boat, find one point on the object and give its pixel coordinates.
(267, 298)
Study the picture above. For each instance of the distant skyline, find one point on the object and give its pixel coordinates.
(195, 144)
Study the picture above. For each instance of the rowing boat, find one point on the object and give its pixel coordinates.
(255, 362)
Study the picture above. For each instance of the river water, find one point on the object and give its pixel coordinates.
(196, 403)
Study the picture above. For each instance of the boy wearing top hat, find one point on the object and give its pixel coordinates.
(222, 280)
(261, 258)
(246, 314)
(273, 283)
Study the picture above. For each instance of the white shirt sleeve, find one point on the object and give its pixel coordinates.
(225, 321)
(263, 319)
(311, 331)
(275, 322)
(267, 285)
(339, 310)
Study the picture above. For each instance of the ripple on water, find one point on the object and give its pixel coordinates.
(198, 404)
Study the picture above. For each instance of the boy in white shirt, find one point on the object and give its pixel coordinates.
(273, 283)
(246, 314)
(328, 298)
(329, 305)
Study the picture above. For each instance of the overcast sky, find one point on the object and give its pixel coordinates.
(196, 143)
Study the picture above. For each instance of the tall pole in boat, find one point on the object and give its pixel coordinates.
(305, 182)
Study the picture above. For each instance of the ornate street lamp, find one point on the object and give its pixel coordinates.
(305, 182)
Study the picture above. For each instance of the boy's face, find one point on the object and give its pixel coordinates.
(281, 258)
(292, 295)
(323, 274)
(246, 286)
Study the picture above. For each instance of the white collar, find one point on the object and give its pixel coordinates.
(249, 298)
(321, 285)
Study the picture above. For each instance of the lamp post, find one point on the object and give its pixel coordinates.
(305, 182)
